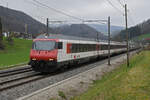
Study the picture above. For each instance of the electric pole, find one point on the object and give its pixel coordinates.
(127, 36)
(8, 33)
(109, 40)
(47, 32)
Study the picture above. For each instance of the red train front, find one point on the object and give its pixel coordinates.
(44, 55)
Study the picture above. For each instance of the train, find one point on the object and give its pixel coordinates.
(49, 54)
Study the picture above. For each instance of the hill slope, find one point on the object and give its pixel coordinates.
(15, 21)
(80, 30)
(135, 31)
(103, 28)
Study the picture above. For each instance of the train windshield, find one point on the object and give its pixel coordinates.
(43, 45)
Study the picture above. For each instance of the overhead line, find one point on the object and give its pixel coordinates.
(95, 21)
(32, 3)
(38, 17)
(124, 1)
(130, 17)
(37, 3)
(114, 7)
(58, 11)
(121, 3)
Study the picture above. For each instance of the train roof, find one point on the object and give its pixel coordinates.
(66, 37)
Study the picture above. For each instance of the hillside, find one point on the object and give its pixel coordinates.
(135, 31)
(79, 30)
(98, 27)
(13, 20)
(104, 29)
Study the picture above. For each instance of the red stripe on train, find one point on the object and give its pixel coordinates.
(69, 48)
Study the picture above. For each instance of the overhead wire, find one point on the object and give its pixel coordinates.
(124, 1)
(131, 18)
(121, 3)
(32, 3)
(39, 17)
(115, 7)
(41, 6)
(4, 1)
(58, 11)
(65, 21)
(129, 11)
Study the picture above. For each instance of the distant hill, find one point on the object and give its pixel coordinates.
(104, 28)
(15, 21)
(80, 30)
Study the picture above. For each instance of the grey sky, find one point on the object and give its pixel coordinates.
(86, 9)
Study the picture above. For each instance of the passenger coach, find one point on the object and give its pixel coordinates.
(51, 53)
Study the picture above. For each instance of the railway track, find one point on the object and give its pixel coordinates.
(11, 83)
(18, 76)
(15, 71)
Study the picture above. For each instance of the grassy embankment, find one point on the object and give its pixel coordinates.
(141, 37)
(124, 83)
(15, 54)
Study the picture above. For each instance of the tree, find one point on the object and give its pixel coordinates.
(1, 36)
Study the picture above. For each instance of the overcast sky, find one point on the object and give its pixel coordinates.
(85, 9)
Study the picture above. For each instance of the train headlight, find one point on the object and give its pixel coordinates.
(33, 59)
(51, 59)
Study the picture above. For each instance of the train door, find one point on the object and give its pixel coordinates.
(60, 51)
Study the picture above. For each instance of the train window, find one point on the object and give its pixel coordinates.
(60, 45)
(77, 48)
(92, 47)
(74, 48)
(80, 47)
(86, 47)
(44, 45)
(104, 47)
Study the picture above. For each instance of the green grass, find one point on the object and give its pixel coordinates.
(142, 37)
(15, 54)
(124, 83)
(62, 95)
